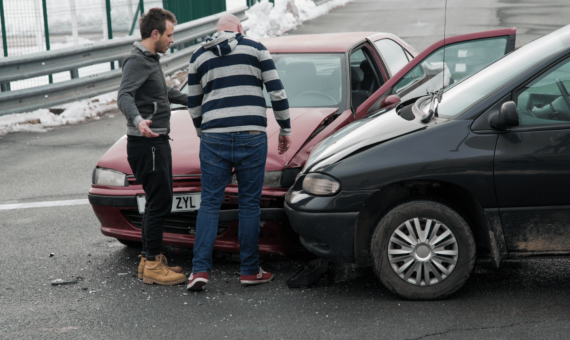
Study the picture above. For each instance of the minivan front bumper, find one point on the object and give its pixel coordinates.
(327, 235)
(326, 224)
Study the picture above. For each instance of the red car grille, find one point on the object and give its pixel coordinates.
(179, 223)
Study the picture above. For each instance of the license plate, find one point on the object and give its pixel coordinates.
(180, 202)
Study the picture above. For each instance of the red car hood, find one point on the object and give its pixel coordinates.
(186, 144)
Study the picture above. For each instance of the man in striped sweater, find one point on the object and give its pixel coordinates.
(225, 99)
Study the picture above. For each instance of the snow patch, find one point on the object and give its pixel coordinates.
(41, 120)
(266, 20)
(231, 4)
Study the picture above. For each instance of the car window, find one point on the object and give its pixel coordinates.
(461, 60)
(311, 80)
(393, 55)
(356, 58)
(364, 79)
(545, 100)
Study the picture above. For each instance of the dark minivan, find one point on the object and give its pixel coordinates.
(420, 190)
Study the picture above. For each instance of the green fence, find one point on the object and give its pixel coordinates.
(31, 26)
(191, 10)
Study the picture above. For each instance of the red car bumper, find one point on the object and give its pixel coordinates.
(119, 217)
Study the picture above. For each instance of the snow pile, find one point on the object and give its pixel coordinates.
(265, 20)
(41, 120)
(231, 4)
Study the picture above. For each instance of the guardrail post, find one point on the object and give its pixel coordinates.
(74, 28)
(46, 29)
(109, 26)
(6, 86)
(74, 73)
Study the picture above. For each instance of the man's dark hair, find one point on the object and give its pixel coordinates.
(155, 19)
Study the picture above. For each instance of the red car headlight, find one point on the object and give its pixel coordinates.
(109, 177)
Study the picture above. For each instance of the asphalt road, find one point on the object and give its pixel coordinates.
(521, 300)
(421, 22)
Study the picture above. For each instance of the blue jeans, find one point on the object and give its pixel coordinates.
(219, 154)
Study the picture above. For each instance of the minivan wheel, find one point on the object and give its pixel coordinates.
(423, 250)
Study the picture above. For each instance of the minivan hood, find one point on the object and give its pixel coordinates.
(185, 143)
(374, 129)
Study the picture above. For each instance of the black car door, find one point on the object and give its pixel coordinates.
(532, 166)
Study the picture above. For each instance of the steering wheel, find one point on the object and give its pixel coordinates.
(318, 93)
(563, 91)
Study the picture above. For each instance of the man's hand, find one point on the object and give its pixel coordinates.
(284, 144)
(145, 129)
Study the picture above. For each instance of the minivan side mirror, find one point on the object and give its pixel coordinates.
(390, 100)
(506, 117)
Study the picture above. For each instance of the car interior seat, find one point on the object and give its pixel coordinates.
(369, 82)
(358, 95)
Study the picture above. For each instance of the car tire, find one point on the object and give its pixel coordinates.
(129, 243)
(388, 248)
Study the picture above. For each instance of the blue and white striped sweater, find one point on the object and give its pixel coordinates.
(225, 86)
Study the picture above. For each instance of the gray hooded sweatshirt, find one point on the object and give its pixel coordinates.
(143, 93)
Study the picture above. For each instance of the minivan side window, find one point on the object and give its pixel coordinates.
(545, 100)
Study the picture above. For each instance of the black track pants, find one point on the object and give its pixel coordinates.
(151, 162)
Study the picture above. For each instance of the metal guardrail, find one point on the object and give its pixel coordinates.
(72, 58)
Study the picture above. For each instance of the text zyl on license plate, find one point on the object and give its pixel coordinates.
(180, 202)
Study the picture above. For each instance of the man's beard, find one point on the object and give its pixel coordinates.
(162, 48)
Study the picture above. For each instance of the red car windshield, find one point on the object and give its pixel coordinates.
(311, 80)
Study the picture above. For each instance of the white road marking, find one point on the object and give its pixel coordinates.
(43, 204)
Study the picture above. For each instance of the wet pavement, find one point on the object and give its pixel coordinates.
(521, 300)
(421, 22)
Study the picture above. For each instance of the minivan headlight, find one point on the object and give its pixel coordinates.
(320, 184)
(108, 177)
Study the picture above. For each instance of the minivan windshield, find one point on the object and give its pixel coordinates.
(458, 98)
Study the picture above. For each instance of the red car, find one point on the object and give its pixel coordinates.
(331, 80)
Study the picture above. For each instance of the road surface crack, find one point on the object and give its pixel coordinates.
(472, 329)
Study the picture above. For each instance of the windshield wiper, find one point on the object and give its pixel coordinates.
(435, 99)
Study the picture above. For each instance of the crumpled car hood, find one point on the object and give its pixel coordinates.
(186, 144)
(364, 132)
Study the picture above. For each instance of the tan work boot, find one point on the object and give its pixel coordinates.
(163, 259)
(157, 272)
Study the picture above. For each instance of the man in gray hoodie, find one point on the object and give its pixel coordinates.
(145, 99)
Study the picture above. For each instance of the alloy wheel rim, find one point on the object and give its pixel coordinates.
(423, 251)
